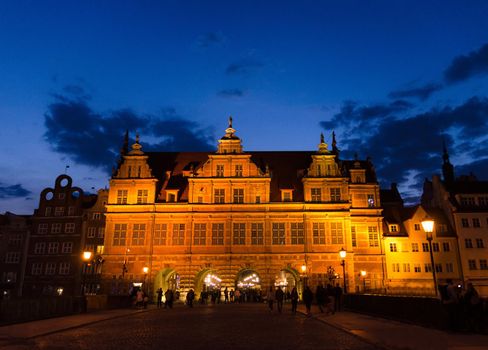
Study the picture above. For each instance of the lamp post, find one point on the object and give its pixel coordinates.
(363, 275)
(342, 254)
(428, 226)
(145, 270)
(304, 273)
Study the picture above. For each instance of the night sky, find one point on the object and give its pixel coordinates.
(392, 78)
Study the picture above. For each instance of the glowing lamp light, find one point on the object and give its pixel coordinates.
(145, 269)
(87, 256)
(363, 273)
(304, 268)
(342, 253)
(428, 225)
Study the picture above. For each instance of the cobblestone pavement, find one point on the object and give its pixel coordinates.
(230, 327)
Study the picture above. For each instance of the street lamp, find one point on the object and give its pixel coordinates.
(145, 270)
(428, 226)
(86, 262)
(304, 273)
(342, 254)
(363, 275)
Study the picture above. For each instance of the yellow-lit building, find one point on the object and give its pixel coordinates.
(232, 218)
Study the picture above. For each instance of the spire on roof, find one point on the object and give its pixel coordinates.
(125, 146)
(335, 150)
(447, 167)
(322, 144)
(136, 148)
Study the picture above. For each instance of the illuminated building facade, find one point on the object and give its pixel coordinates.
(233, 218)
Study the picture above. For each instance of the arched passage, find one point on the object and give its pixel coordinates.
(248, 282)
(287, 278)
(207, 280)
(167, 279)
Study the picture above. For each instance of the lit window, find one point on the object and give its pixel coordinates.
(316, 194)
(257, 236)
(218, 234)
(122, 196)
(370, 200)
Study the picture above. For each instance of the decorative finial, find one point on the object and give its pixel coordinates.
(322, 145)
(137, 138)
(322, 140)
(230, 121)
(136, 147)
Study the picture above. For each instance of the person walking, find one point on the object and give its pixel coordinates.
(307, 299)
(271, 297)
(294, 300)
(169, 299)
(159, 294)
(337, 297)
(190, 297)
(226, 296)
(320, 296)
(279, 295)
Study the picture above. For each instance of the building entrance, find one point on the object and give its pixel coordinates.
(286, 280)
(249, 284)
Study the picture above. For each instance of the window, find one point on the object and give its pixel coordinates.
(101, 232)
(121, 196)
(464, 222)
(12, 257)
(160, 231)
(239, 233)
(178, 234)
(238, 170)
(257, 235)
(336, 233)
(483, 264)
(472, 264)
(476, 222)
(278, 231)
(258, 199)
(219, 170)
(353, 236)
(415, 247)
(120, 234)
(393, 228)
(416, 227)
(483, 201)
(40, 248)
(441, 228)
(138, 234)
(48, 211)
(199, 234)
(91, 232)
(318, 232)
(449, 267)
(67, 247)
(373, 236)
(416, 268)
(435, 247)
(316, 194)
(238, 195)
(96, 216)
(219, 195)
(396, 267)
(42, 228)
(468, 243)
(69, 227)
(370, 200)
(171, 197)
(36, 268)
(100, 249)
(446, 247)
(467, 201)
(479, 243)
(406, 267)
(428, 268)
(56, 228)
(50, 268)
(142, 196)
(335, 194)
(59, 211)
(52, 248)
(71, 211)
(218, 234)
(286, 195)
(297, 234)
(15, 240)
(393, 247)
(425, 247)
(64, 268)
(438, 268)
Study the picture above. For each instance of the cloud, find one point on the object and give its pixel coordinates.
(407, 146)
(228, 93)
(211, 39)
(467, 66)
(420, 92)
(13, 191)
(94, 139)
(243, 67)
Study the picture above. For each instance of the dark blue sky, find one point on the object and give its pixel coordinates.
(392, 78)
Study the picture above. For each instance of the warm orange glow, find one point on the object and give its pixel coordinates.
(363, 273)
(145, 269)
(342, 253)
(304, 268)
(87, 256)
(428, 225)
